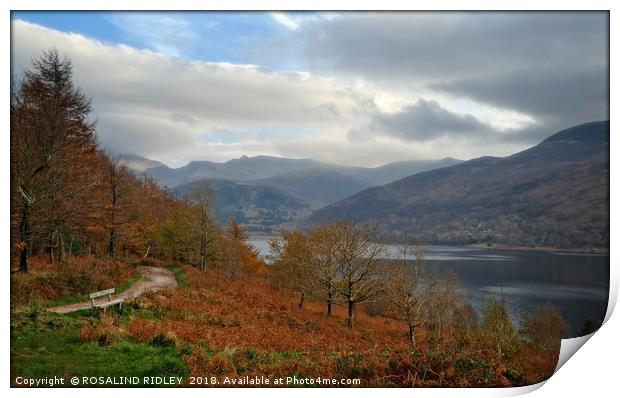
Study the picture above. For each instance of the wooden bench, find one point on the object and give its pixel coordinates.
(104, 305)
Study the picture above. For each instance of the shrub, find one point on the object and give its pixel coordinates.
(498, 325)
(105, 332)
(474, 368)
(164, 339)
(544, 327)
(79, 276)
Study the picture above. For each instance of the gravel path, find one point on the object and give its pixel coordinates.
(153, 278)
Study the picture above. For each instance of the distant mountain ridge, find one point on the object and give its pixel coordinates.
(266, 167)
(262, 209)
(553, 194)
(270, 191)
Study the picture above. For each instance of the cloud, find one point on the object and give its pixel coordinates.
(374, 87)
(551, 96)
(549, 67)
(156, 105)
(283, 19)
(445, 45)
(424, 121)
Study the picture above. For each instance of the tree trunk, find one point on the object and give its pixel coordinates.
(351, 311)
(112, 243)
(203, 251)
(61, 244)
(330, 302)
(148, 249)
(440, 327)
(412, 335)
(25, 235)
(301, 300)
(23, 258)
(51, 247)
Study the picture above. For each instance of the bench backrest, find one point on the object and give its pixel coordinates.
(101, 293)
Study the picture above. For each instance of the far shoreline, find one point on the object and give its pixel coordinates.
(591, 250)
(493, 246)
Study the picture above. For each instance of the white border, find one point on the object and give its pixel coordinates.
(592, 372)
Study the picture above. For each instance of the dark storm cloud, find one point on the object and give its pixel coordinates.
(423, 121)
(403, 45)
(551, 96)
(551, 66)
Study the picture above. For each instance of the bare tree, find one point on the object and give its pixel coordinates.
(497, 322)
(445, 300)
(289, 256)
(412, 289)
(324, 266)
(203, 196)
(358, 256)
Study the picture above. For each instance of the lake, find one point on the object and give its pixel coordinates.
(576, 283)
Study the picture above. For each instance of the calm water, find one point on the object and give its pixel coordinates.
(577, 284)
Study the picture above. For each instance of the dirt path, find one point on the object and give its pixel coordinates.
(153, 278)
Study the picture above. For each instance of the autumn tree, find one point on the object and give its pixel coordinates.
(358, 257)
(180, 235)
(445, 299)
(497, 323)
(203, 197)
(118, 184)
(288, 256)
(412, 289)
(312, 258)
(153, 208)
(465, 320)
(52, 139)
(544, 327)
(239, 256)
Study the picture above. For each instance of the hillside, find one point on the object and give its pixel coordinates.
(242, 169)
(318, 187)
(265, 192)
(266, 167)
(238, 330)
(553, 194)
(261, 208)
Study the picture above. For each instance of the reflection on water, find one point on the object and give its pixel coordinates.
(576, 283)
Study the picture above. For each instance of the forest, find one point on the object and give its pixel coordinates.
(325, 303)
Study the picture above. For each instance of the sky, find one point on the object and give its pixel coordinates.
(355, 88)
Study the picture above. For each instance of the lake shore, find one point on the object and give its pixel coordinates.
(596, 250)
(495, 246)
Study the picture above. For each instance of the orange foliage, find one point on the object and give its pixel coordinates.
(253, 328)
(79, 275)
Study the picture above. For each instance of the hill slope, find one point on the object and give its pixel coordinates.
(264, 192)
(261, 208)
(556, 194)
(265, 167)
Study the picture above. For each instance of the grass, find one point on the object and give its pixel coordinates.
(79, 298)
(70, 282)
(211, 325)
(179, 274)
(45, 344)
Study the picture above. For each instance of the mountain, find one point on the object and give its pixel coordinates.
(242, 169)
(265, 167)
(318, 187)
(396, 170)
(140, 164)
(553, 194)
(261, 208)
(285, 188)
